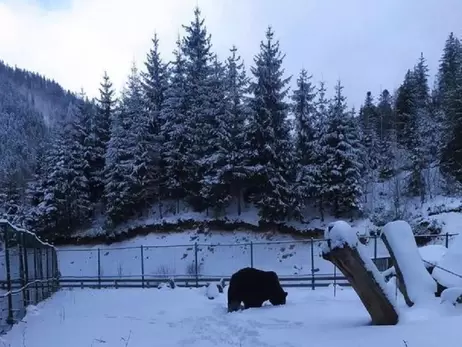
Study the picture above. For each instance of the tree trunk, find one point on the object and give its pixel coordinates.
(349, 262)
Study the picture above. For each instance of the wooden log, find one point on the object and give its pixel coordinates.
(349, 262)
(413, 279)
(399, 275)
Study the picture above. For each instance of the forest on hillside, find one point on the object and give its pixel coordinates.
(201, 131)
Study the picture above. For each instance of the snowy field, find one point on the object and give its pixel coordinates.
(185, 317)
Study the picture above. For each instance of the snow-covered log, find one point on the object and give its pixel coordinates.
(345, 251)
(414, 281)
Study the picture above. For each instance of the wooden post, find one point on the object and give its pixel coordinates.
(26, 267)
(312, 264)
(9, 319)
(196, 264)
(99, 268)
(142, 266)
(21, 267)
(251, 254)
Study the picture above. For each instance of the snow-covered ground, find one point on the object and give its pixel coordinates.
(218, 254)
(185, 317)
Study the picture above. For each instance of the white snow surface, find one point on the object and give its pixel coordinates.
(451, 295)
(432, 254)
(419, 283)
(185, 317)
(451, 261)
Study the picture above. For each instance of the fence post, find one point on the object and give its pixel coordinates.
(48, 272)
(21, 268)
(196, 265)
(375, 248)
(9, 319)
(312, 264)
(251, 254)
(142, 266)
(99, 268)
(35, 276)
(447, 240)
(41, 272)
(26, 266)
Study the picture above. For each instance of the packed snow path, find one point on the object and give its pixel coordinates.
(185, 317)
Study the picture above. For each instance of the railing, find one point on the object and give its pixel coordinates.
(28, 272)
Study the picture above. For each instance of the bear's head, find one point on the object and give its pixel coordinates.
(280, 299)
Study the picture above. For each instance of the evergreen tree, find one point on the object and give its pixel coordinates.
(305, 147)
(176, 131)
(129, 157)
(341, 169)
(450, 98)
(232, 174)
(406, 123)
(101, 133)
(386, 134)
(269, 158)
(370, 125)
(66, 198)
(155, 84)
(200, 111)
(215, 190)
(320, 123)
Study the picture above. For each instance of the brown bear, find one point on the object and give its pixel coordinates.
(253, 287)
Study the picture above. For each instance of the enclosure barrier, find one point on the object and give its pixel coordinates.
(149, 265)
(28, 272)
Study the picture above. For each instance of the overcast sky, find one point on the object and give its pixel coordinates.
(366, 44)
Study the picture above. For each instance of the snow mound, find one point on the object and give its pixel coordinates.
(419, 283)
(452, 296)
(212, 291)
(340, 234)
(451, 261)
(432, 254)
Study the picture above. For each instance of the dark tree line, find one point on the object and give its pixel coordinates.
(200, 131)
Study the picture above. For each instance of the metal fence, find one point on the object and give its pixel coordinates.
(298, 263)
(28, 273)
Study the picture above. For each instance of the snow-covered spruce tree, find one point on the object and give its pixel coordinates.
(304, 112)
(406, 123)
(101, 133)
(233, 174)
(65, 203)
(155, 84)
(269, 156)
(144, 144)
(424, 130)
(450, 97)
(451, 154)
(370, 125)
(341, 169)
(386, 133)
(215, 191)
(128, 157)
(176, 131)
(200, 111)
(320, 123)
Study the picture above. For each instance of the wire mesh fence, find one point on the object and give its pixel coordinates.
(298, 261)
(28, 273)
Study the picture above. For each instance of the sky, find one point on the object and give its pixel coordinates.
(367, 45)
